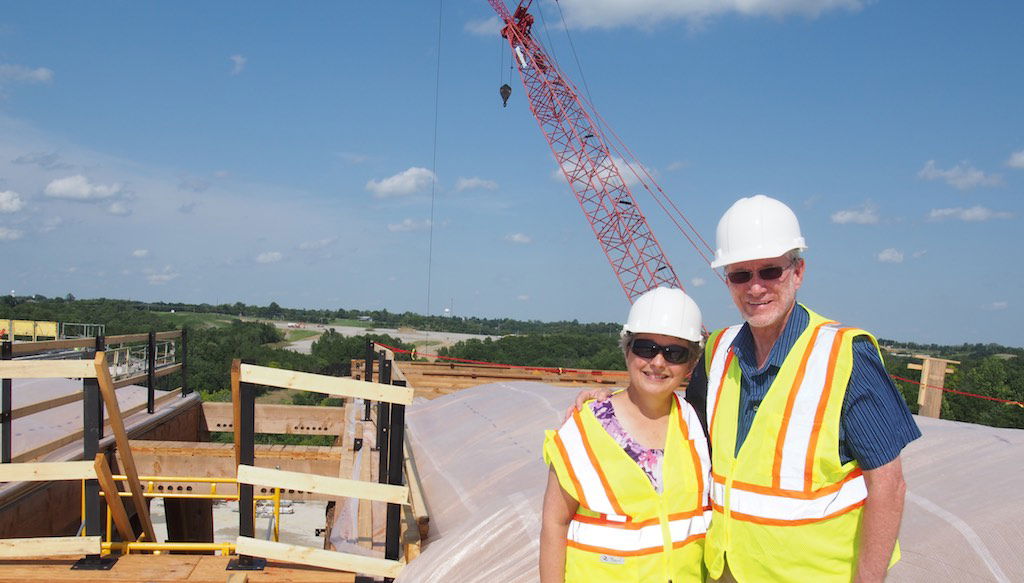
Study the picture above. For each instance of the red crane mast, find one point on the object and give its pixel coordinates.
(582, 153)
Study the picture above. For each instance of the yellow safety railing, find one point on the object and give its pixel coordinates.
(151, 491)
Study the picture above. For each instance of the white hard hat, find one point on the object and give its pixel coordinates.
(665, 310)
(758, 227)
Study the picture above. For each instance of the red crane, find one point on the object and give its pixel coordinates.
(582, 152)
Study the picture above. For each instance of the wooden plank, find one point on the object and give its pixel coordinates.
(318, 557)
(284, 419)
(168, 335)
(44, 405)
(34, 347)
(238, 577)
(236, 401)
(127, 339)
(419, 504)
(112, 494)
(123, 448)
(11, 548)
(343, 387)
(323, 484)
(47, 369)
(46, 471)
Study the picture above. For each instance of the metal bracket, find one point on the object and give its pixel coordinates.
(246, 563)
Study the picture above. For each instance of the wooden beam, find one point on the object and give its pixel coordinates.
(284, 419)
(13, 548)
(419, 504)
(123, 448)
(127, 339)
(45, 405)
(318, 557)
(324, 484)
(47, 369)
(342, 387)
(46, 471)
(111, 493)
(238, 577)
(43, 345)
(168, 335)
(236, 409)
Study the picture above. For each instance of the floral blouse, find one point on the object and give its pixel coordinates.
(649, 460)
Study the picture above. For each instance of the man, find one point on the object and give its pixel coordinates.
(806, 427)
(804, 423)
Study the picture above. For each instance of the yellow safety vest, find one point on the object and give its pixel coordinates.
(786, 508)
(624, 530)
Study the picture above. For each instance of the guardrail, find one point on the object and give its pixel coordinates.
(129, 361)
(392, 490)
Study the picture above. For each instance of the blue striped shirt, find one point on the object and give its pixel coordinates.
(875, 424)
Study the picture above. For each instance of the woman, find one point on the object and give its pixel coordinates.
(627, 492)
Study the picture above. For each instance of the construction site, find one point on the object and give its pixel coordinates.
(434, 470)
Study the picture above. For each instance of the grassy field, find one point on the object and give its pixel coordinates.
(296, 335)
(348, 322)
(196, 320)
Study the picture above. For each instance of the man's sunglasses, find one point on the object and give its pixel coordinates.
(674, 353)
(766, 273)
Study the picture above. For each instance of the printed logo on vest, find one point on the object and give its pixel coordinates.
(613, 560)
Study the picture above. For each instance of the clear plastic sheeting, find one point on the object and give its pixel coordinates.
(478, 452)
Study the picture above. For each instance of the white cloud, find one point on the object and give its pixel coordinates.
(408, 225)
(519, 238)
(628, 176)
(119, 208)
(963, 176)
(890, 255)
(269, 257)
(193, 183)
(239, 64)
(975, 214)
(45, 160)
(919, 254)
(475, 183)
(10, 72)
(404, 183)
(10, 201)
(50, 224)
(523, 298)
(161, 277)
(487, 27)
(1016, 160)
(10, 234)
(996, 306)
(677, 165)
(140, 253)
(646, 13)
(79, 187)
(353, 157)
(318, 244)
(698, 282)
(864, 215)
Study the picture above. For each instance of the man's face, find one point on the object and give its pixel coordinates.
(765, 303)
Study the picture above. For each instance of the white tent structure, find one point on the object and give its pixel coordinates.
(478, 452)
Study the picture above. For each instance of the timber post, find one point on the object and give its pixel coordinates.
(933, 378)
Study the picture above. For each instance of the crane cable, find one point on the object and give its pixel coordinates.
(433, 162)
(660, 197)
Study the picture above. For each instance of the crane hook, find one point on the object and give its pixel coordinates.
(505, 92)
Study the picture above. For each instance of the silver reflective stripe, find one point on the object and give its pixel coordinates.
(589, 479)
(718, 368)
(784, 508)
(626, 540)
(799, 431)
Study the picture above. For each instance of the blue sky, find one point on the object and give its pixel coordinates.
(265, 151)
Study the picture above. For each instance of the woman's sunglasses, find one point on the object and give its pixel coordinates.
(766, 273)
(673, 353)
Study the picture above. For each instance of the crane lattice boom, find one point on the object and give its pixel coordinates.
(582, 153)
